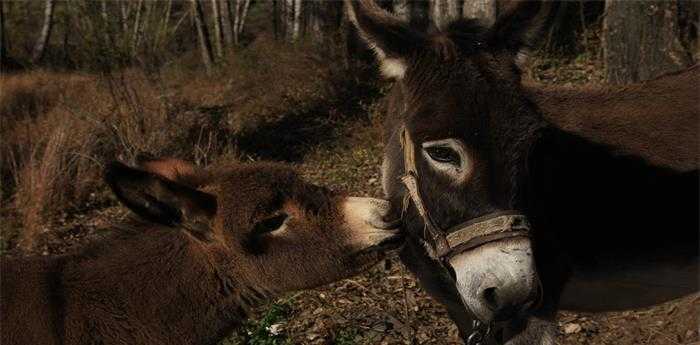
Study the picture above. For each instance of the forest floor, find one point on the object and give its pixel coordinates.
(386, 305)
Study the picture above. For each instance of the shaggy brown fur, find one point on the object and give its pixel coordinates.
(628, 117)
(607, 177)
(188, 276)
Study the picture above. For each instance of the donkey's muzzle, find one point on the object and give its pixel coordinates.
(507, 302)
(498, 280)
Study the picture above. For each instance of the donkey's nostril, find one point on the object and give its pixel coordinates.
(504, 302)
(490, 297)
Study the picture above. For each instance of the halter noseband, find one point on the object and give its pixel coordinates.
(442, 245)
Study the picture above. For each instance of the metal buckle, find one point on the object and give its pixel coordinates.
(480, 333)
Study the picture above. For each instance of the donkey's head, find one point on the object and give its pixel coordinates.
(458, 133)
(260, 224)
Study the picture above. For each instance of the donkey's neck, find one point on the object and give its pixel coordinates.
(656, 120)
(591, 197)
(158, 280)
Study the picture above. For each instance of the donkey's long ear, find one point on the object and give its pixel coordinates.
(156, 197)
(173, 169)
(517, 29)
(390, 38)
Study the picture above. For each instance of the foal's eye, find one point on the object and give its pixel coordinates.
(270, 224)
(443, 154)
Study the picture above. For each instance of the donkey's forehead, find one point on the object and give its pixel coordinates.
(443, 123)
(453, 110)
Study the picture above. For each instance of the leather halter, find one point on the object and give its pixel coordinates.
(442, 245)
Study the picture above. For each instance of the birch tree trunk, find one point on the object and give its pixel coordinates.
(240, 21)
(443, 12)
(288, 19)
(484, 10)
(641, 40)
(296, 26)
(40, 46)
(226, 22)
(124, 13)
(3, 45)
(218, 35)
(202, 35)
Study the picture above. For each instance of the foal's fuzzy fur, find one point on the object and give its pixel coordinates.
(215, 244)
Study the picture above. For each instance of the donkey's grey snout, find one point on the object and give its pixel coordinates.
(509, 301)
(498, 280)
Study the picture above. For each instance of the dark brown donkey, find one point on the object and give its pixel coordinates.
(213, 244)
(514, 209)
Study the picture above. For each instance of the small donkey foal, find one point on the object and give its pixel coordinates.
(211, 245)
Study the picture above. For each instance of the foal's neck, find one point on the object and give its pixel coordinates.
(160, 281)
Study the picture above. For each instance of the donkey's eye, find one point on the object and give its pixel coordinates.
(449, 156)
(443, 154)
(271, 224)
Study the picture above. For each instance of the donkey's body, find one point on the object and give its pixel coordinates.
(611, 193)
(620, 165)
(214, 246)
(655, 120)
(144, 287)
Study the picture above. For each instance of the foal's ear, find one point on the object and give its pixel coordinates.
(172, 169)
(517, 29)
(156, 197)
(390, 38)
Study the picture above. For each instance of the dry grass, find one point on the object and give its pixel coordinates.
(59, 129)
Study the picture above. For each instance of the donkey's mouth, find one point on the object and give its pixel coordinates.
(393, 240)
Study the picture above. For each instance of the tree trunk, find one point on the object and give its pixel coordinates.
(288, 19)
(3, 45)
(443, 12)
(241, 20)
(202, 35)
(40, 46)
(296, 27)
(66, 35)
(485, 10)
(323, 18)
(123, 11)
(226, 22)
(218, 35)
(239, 15)
(277, 18)
(641, 40)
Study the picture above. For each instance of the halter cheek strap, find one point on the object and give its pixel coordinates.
(441, 246)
